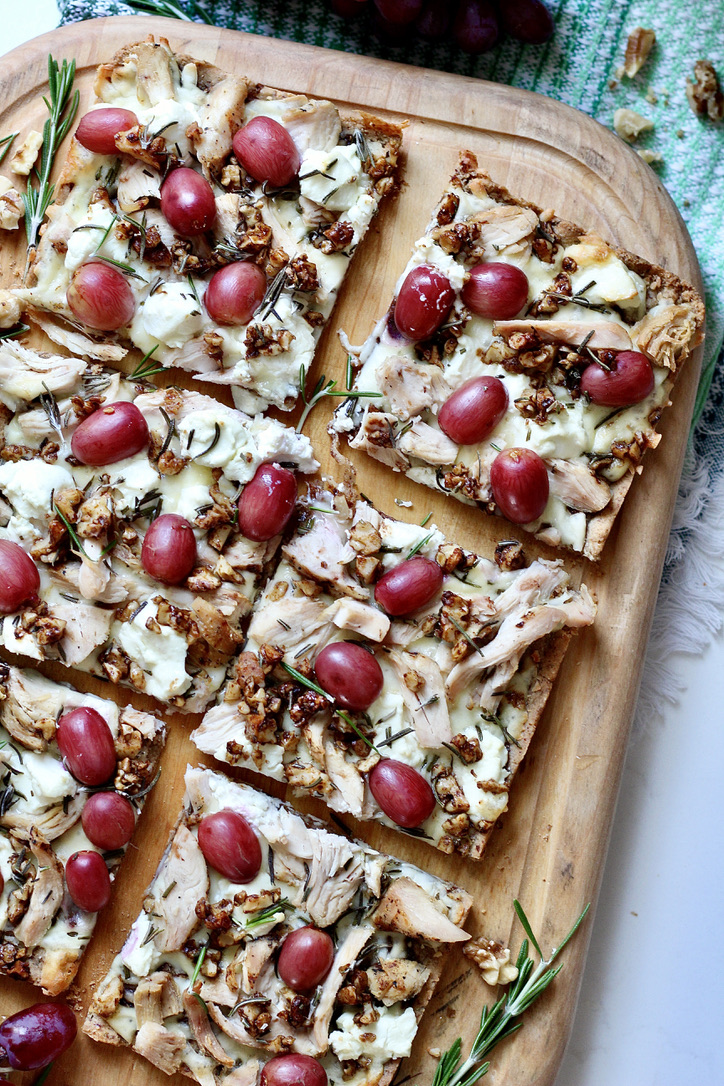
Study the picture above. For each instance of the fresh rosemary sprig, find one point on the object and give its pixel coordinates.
(11, 333)
(503, 1018)
(80, 549)
(171, 10)
(5, 144)
(265, 915)
(62, 107)
(320, 391)
(418, 546)
(147, 367)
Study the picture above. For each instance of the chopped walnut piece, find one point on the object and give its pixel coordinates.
(10, 307)
(629, 125)
(651, 157)
(638, 47)
(24, 158)
(704, 92)
(492, 959)
(12, 210)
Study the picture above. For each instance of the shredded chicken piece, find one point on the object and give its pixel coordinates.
(347, 953)
(394, 979)
(52, 822)
(323, 553)
(207, 1039)
(29, 709)
(426, 704)
(26, 374)
(409, 909)
(254, 957)
(155, 998)
(666, 334)
(81, 346)
(361, 618)
(86, 628)
(376, 437)
(220, 116)
(410, 387)
(244, 1075)
(160, 1046)
(577, 486)
(346, 779)
(138, 184)
(306, 619)
(312, 124)
(46, 895)
(427, 443)
(606, 334)
(505, 226)
(181, 883)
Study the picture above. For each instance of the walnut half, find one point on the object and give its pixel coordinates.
(704, 93)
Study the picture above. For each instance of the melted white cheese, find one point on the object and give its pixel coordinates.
(162, 655)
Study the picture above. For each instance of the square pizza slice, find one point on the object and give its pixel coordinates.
(523, 364)
(136, 524)
(74, 770)
(394, 675)
(219, 215)
(267, 940)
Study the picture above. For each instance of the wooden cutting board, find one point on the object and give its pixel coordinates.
(549, 850)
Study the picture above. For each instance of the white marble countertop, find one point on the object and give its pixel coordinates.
(652, 1002)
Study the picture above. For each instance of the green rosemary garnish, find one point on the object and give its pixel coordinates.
(320, 391)
(418, 546)
(62, 106)
(11, 333)
(265, 915)
(503, 1018)
(199, 963)
(171, 10)
(71, 532)
(146, 368)
(5, 144)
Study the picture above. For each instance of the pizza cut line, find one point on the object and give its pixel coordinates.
(208, 981)
(281, 240)
(523, 364)
(394, 675)
(126, 507)
(45, 806)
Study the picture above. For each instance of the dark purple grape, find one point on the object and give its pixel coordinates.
(230, 845)
(34, 1037)
(305, 958)
(88, 881)
(402, 793)
(86, 743)
(519, 481)
(475, 27)
(350, 674)
(628, 379)
(293, 1069)
(527, 20)
(410, 585)
(434, 20)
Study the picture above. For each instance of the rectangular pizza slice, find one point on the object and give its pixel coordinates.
(266, 227)
(264, 937)
(122, 500)
(49, 811)
(394, 675)
(523, 364)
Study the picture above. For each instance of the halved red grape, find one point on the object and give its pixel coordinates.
(88, 881)
(293, 1069)
(403, 794)
(112, 433)
(187, 202)
(267, 151)
(408, 586)
(630, 379)
(425, 299)
(230, 845)
(305, 958)
(527, 20)
(495, 290)
(475, 27)
(519, 481)
(86, 743)
(98, 129)
(235, 293)
(350, 674)
(108, 820)
(474, 410)
(37, 1035)
(19, 577)
(100, 297)
(169, 549)
(267, 502)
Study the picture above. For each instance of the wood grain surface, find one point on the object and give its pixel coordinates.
(549, 849)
